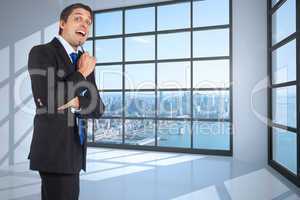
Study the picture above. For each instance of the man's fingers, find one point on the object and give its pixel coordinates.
(65, 106)
(71, 103)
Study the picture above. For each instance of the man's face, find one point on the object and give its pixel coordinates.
(76, 29)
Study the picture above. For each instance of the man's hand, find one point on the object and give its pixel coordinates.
(74, 103)
(86, 64)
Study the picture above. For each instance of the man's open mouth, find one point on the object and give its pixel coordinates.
(81, 33)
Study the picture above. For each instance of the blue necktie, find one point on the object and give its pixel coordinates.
(74, 57)
(81, 124)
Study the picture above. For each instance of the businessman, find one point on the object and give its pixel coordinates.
(65, 93)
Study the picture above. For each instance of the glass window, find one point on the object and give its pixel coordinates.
(113, 103)
(140, 20)
(108, 23)
(211, 43)
(88, 47)
(174, 134)
(140, 132)
(91, 31)
(210, 13)
(285, 148)
(145, 79)
(108, 131)
(174, 104)
(274, 2)
(109, 50)
(174, 45)
(284, 63)
(174, 75)
(211, 74)
(140, 48)
(89, 130)
(284, 106)
(174, 16)
(140, 76)
(211, 135)
(284, 21)
(108, 77)
(211, 104)
(140, 104)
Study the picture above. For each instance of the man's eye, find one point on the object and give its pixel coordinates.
(77, 19)
(88, 22)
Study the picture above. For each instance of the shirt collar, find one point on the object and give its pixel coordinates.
(67, 46)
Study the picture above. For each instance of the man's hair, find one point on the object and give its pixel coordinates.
(64, 15)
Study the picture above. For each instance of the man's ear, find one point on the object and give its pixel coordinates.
(62, 24)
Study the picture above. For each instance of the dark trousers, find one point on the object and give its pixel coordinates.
(59, 186)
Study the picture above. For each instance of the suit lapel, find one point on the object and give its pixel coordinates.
(65, 63)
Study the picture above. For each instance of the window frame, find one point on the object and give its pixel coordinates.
(191, 59)
(295, 178)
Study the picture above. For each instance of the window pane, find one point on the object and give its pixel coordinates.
(284, 106)
(140, 20)
(174, 104)
(174, 16)
(140, 48)
(211, 104)
(284, 63)
(113, 103)
(140, 132)
(274, 2)
(109, 23)
(174, 75)
(210, 13)
(285, 148)
(109, 50)
(174, 45)
(140, 104)
(140, 76)
(211, 43)
(211, 135)
(89, 130)
(88, 47)
(108, 131)
(211, 74)
(174, 134)
(284, 21)
(108, 77)
(91, 31)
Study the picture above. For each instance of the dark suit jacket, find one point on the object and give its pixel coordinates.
(55, 143)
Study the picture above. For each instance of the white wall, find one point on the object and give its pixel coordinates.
(249, 73)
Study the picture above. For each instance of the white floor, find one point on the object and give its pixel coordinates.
(114, 174)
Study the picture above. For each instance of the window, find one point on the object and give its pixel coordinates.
(140, 76)
(284, 21)
(284, 63)
(205, 13)
(284, 87)
(163, 72)
(211, 43)
(284, 106)
(285, 148)
(140, 20)
(174, 75)
(212, 135)
(103, 28)
(211, 74)
(174, 16)
(173, 45)
(140, 48)
(109, 50)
